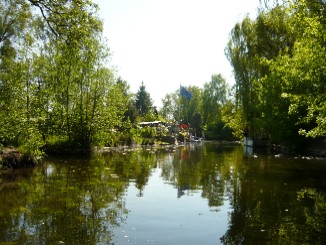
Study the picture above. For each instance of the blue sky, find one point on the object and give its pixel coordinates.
(165, 43)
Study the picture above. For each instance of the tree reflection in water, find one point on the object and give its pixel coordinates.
(271, 204)
(74, 202)
(269, 197)
(273, 201)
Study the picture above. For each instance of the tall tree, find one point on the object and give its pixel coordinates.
(54, 80)
(15, 22)
(214, 96)
(169, 110)
(279, 70)
(14, 16)
(253, 44)
(189, 107)
(184, 110)
(131, 113)
(68, 20)
(143, 101)
(302, 72)
(214, 99)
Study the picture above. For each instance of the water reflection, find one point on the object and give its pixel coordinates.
(209, 192)
(278, 201)
(72, 202)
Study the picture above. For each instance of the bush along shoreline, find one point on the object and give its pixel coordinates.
(16, 158)
(12, 158)
(25, 157)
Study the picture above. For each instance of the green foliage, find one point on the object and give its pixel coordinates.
(69, 21)
(279, 66)
(233, 118)
(150, 116)
(147, 141)
(131, 114)
(219, 132)
(148, 132)
(57, 143)
(181, 109)
(303, 74)
(31, 143)
(214, 99)
(188, 108)
(170, 108)
(214, 96)
(203, 111)
(55, 87)
(127, 135)
(14, 16)
(144, 102)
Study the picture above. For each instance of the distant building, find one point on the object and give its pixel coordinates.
(150, 124)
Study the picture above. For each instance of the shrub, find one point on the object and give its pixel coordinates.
(31, 144)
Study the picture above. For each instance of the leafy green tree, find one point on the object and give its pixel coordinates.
(15, 15)
(131, 113)
(170, 107)
(233, 118)
(68, 21)
(188, 108)
(279, 69)
(302, 71)
(54, 82)
(214, 98)
(14, 19)
(18, 86)
(178, 108)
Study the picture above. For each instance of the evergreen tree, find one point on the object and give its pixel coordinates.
(143, 101)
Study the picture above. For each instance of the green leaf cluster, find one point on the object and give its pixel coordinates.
(55, 85)
(279, 66)
(204, 112)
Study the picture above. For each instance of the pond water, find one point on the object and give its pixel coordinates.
(201, 193)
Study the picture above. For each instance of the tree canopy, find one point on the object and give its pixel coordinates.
(55, 83)
(57, 89)
(280, 70)
(144, 104)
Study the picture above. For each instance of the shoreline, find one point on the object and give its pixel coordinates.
(12, 158)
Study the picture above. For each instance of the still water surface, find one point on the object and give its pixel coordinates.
(208, 193)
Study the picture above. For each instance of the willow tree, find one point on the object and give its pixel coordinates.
(279, 70)
(253, 44)
(302, 71)
(298, 73)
